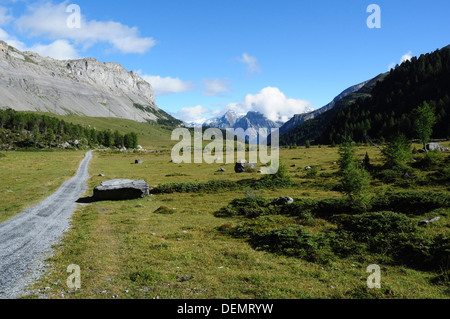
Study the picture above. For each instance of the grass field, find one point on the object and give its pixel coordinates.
(126, 250)
(28, 177)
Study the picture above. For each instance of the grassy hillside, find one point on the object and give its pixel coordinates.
(313, 129)
(150, 135)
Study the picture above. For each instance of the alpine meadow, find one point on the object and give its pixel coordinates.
(193, 154)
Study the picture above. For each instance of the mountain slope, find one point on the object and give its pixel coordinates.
(314, 128)
(390, 109)
(85, 87)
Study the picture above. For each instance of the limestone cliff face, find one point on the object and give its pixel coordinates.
(87, 87)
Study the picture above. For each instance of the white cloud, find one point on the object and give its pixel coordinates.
(50, 20)
(60, 49)
(5, 16)
(194, 114)
(11, 40)
(404, 58)
(215, 86)
(251, 62)
(273, 103)
(167, 85)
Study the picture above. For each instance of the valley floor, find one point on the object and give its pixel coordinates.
(126, 250)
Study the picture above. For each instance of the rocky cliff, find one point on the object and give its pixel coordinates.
(86, 87)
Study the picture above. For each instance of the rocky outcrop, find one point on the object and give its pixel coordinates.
(29, 82)
(121, 189)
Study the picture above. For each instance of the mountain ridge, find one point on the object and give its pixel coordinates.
(298, 119)
(85, 87)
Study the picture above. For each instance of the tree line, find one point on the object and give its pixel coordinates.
(391, 107)
(36, 130)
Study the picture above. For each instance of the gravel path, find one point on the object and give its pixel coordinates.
(26, 239)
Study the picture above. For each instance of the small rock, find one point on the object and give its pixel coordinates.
(308, 167)
(101, 175)
(429, 221)
(221, 169)
(138, 161)
(283, 201)
(183, 279)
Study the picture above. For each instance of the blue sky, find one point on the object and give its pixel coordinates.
(204, 57)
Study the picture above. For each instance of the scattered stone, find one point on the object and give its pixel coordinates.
(429, 221)
(221, 169)
(434, 146)
(244, 166)
(101, 175)
(138, 161)
(295, 165)
(283, 201)
(139, 205)
(121, 189)
(183, 279)
(308, 167)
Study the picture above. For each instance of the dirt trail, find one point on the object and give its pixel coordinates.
(26, 239)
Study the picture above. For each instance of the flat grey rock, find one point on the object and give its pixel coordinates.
(121, 189)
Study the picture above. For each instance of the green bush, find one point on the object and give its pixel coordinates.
(248, 207)
(411, 202)
(164, 210)
(430, 161)
(294, 241)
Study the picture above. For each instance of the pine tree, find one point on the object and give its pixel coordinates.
(425, 119)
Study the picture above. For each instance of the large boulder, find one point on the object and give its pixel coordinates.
(434, 146)
(243, 167)
(121, 189)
